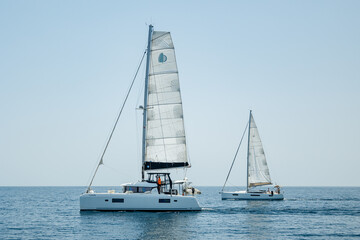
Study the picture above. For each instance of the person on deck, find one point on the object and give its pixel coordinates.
(158, 184)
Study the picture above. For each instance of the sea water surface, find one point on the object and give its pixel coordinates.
(306, 213)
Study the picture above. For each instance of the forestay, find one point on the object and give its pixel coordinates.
(165, 134)
(258, 171)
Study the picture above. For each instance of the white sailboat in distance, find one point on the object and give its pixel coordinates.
(163, 142)
(257, 170)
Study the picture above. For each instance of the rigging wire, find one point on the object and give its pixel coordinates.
(237, 150)
(117, 120)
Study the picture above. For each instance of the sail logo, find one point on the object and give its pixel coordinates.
(162, 58)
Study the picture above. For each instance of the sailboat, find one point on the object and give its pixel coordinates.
(163, 142)
(257, 170)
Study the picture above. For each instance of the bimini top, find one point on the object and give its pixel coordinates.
(139, 184)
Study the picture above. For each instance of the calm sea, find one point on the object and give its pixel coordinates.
(306, 213)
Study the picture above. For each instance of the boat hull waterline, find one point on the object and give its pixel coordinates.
(137, 202)
(243, 195)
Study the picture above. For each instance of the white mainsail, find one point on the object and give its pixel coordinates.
(258, 171)
(165, 144)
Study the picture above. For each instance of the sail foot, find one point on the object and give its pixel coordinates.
(259, 184)
(163, 165)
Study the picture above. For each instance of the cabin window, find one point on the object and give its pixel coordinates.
(117, 200)
(137, 189)
(162, 200)
(106, 200)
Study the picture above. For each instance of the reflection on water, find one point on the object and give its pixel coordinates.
(142, 225)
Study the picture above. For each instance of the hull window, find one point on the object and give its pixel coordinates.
(117, 200)
(164, 200)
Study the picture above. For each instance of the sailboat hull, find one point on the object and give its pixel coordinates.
(243, 195)
(137, 202)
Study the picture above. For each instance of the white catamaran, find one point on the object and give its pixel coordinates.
(163, 143)
(257, 170)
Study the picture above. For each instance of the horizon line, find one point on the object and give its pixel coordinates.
(121, 186)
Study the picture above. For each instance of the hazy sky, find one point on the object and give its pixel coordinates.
(65, 67)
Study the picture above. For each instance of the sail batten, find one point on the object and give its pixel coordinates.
(258, 171)
(160, 49)
(163, 73)
(165, 143)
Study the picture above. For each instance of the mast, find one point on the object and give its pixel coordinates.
(247, 164)
(145, 100)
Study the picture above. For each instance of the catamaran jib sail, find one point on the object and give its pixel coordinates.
(165, 144)
(258, 171)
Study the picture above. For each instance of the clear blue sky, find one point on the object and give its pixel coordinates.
(65, 67)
